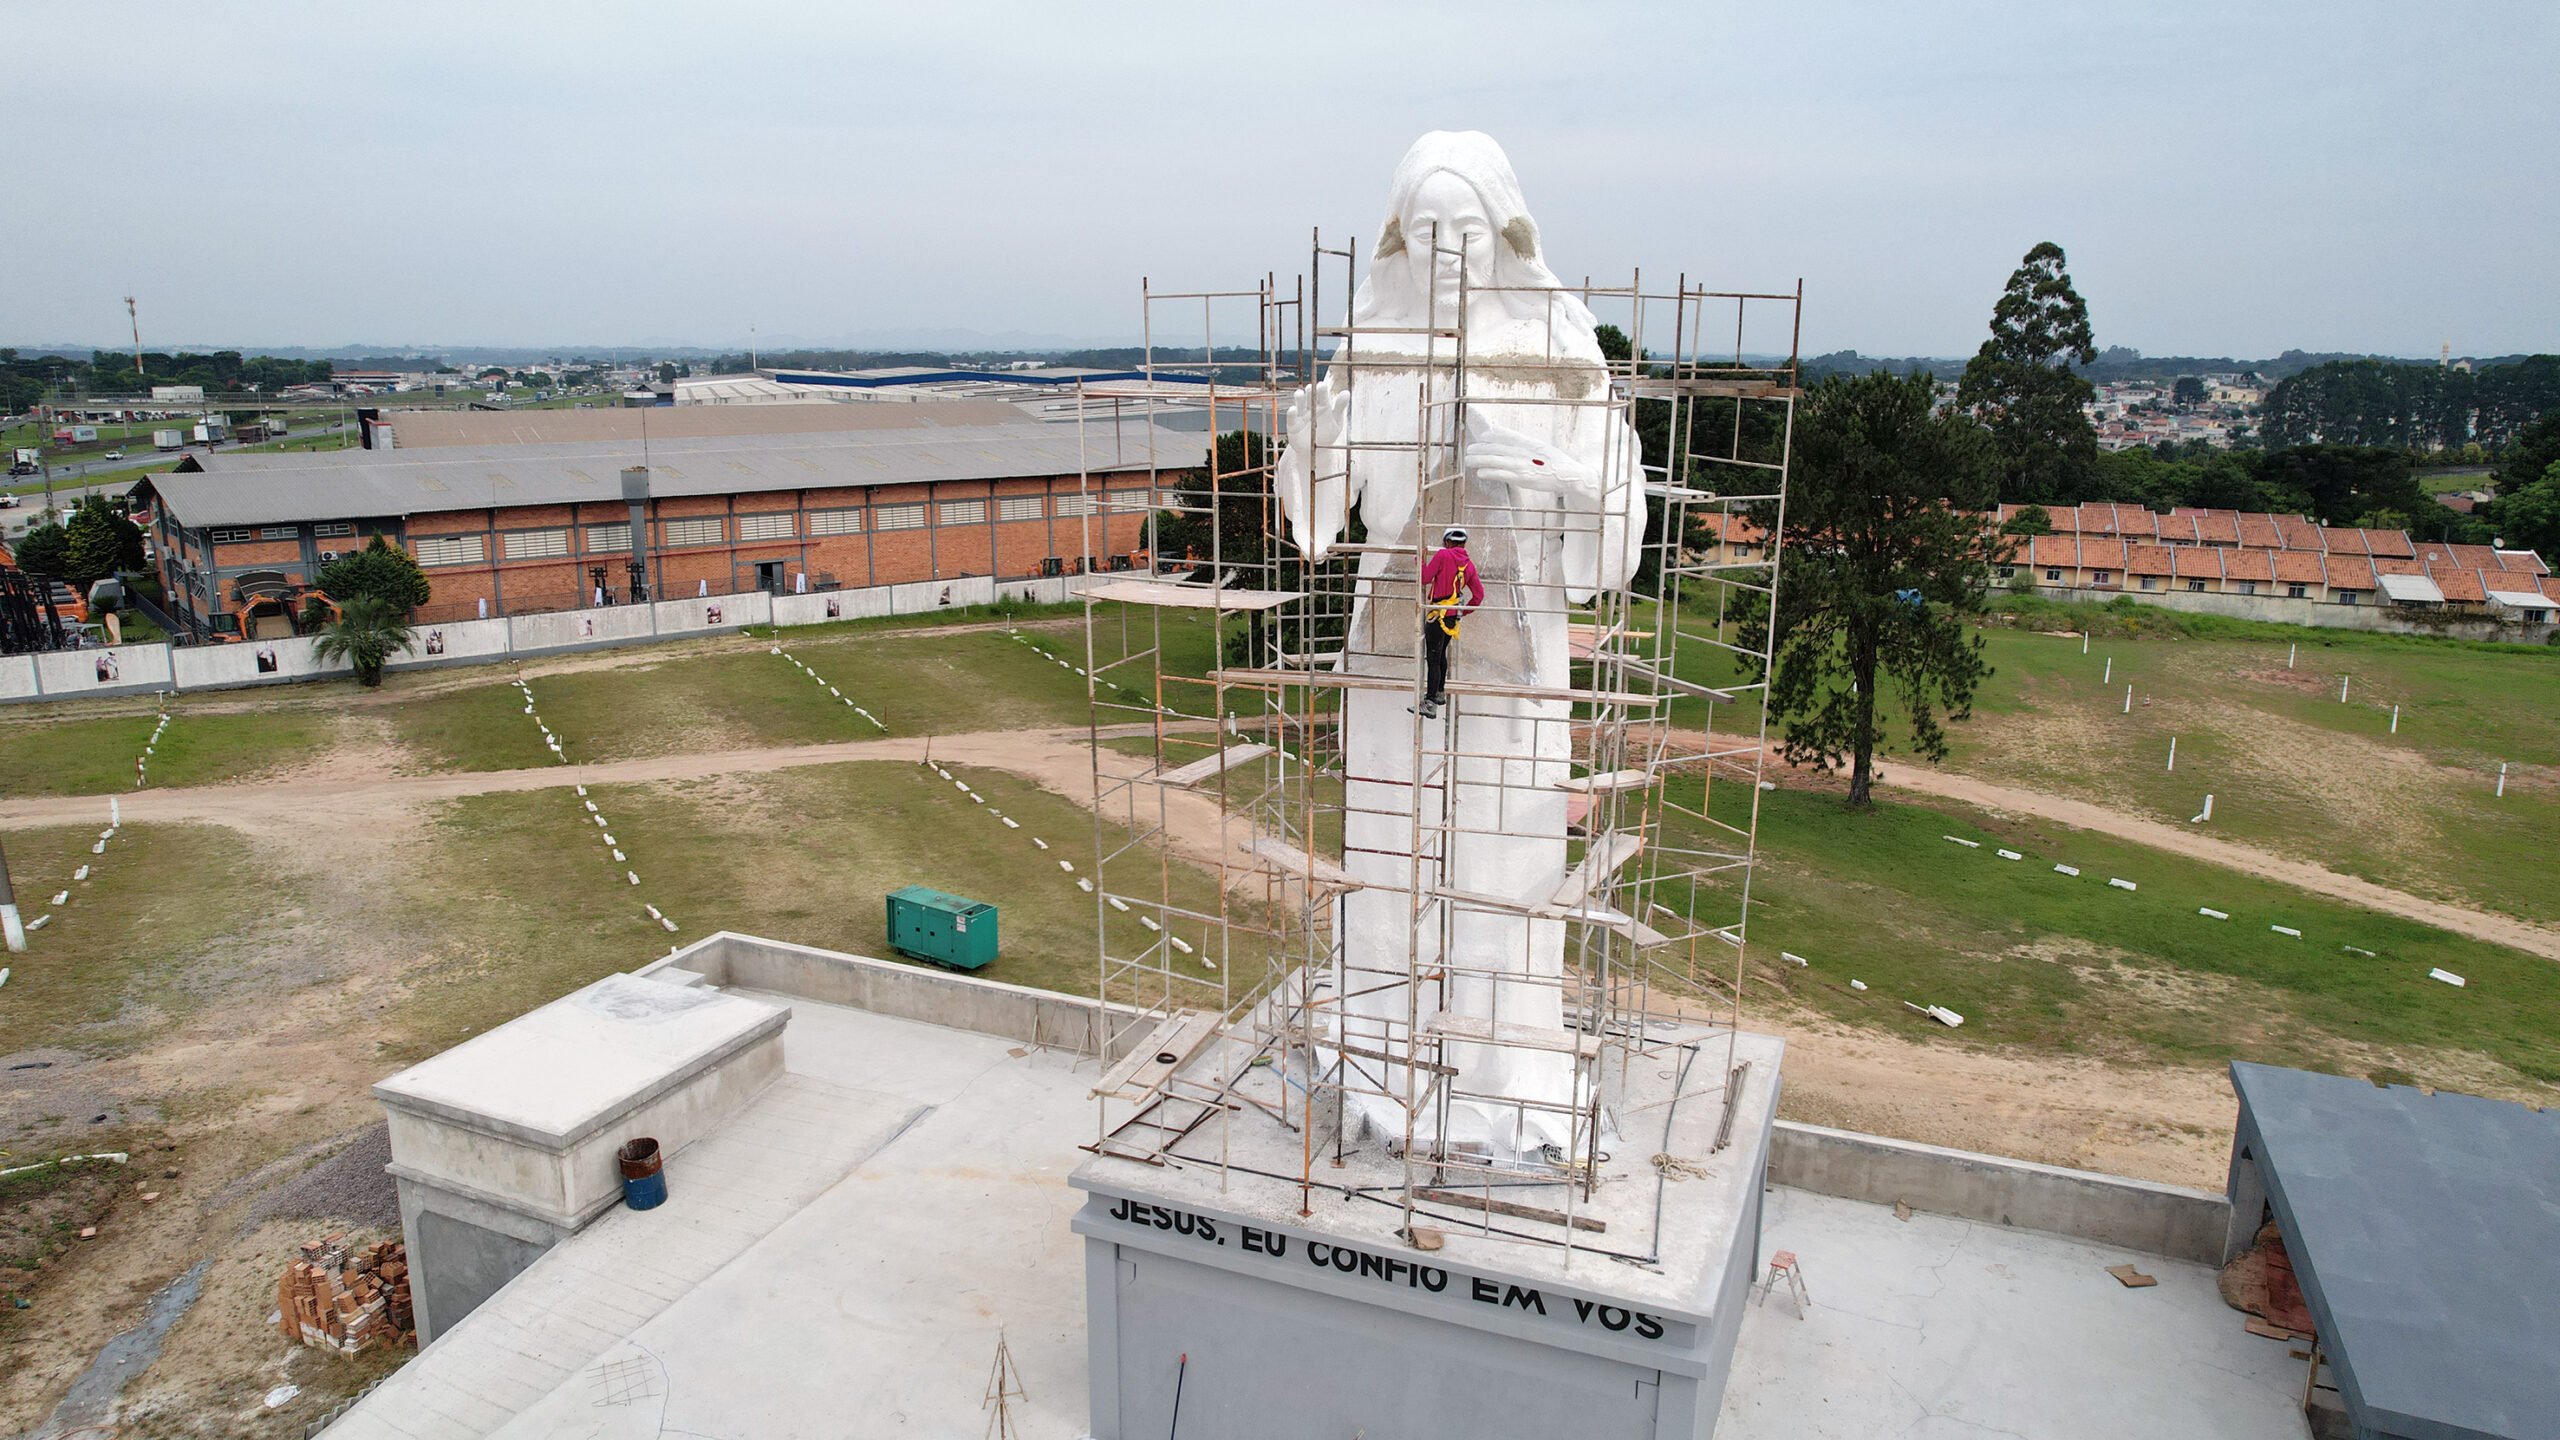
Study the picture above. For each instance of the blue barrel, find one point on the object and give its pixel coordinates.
(644, 1176)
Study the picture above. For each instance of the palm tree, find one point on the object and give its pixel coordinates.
(367, 632)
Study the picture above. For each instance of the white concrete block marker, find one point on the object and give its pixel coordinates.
(1009, 822)
(2123, 884)
(2066, 869)
(61, 898)
(1857, 984)
(80, 874)
(2011, 855)
(2446, 976)
(1180, 944)
(653, 912)
(632, 876)
(2210, 913)
(1939, 1013)
(2203, 815)
(2358, 950)
(1085, 885)
(669, 922)
(2286, 930)
(1968, 844)
(1792, 958)
(618, 857)
(98, 849)
(1036, 840)
(1150, 924)
(1067, 865)
(1117, 903)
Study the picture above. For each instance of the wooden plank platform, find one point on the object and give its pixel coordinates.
(1345, 680)
(1294, 861)
(1143, 1069)
(1607, 855)
(1218, 764)
(1179, 595)
(1597, 784)
(1506, 1032)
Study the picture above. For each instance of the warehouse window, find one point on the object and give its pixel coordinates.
(280, 532)
(609, 537)
(1018, 507)
(835, 522)
(964, 512)
(703, 531)
(773, 526)
(1126, 501)
(899, 517)
(537, 544)
(452, 549)
(329, 532)
(231, 537)
(1074, 506)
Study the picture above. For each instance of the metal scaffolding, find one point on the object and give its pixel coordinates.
(1233, 830)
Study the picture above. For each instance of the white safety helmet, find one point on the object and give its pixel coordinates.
(1454, 535)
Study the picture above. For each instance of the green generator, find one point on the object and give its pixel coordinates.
(944, 929)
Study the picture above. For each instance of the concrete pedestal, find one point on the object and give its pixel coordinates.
(1273, 1322)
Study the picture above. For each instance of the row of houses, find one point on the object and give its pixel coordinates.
(521, 522)
(2108, 550)
(2432, 577)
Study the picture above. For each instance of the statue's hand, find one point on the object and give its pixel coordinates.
(1496, 451)
(1314, 504)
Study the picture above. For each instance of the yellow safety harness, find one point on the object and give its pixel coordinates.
(1445, 607)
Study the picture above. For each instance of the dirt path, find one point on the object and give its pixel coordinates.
(1058, 760)
(2505, 930)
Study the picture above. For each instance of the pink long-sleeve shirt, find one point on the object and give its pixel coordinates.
(1448, 568)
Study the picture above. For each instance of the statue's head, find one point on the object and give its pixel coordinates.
(1454, 195)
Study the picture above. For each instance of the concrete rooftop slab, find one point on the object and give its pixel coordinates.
(1937, 1327)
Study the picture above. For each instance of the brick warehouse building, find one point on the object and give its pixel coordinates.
(901, 494)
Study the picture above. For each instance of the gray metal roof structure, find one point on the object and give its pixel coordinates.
(2425, 1230)
(274, 489)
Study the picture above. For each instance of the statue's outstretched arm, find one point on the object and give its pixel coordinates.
(1595, 475)
(1316, 503)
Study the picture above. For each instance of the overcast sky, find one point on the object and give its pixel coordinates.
(2227, 179)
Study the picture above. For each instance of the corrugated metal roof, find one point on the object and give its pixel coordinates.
(235, 489)
(2411, 589)
(425, 429)
(2521, 599)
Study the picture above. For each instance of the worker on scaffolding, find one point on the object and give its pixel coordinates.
(1447, 576)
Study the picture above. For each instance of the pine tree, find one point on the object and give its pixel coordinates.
(2022, 383)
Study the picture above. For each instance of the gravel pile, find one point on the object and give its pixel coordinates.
(350, 1186)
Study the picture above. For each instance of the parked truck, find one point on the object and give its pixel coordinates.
(169, 439)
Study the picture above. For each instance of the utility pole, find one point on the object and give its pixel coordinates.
(11, 928)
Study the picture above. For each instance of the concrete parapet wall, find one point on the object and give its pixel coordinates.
(17, 677)
(2169, 1220)
(908, 992)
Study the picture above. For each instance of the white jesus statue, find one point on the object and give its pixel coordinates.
(1548, 489)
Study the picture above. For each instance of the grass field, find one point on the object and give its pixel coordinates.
(166, 915)
(531, 905)
(2041, 961)
(94, 756)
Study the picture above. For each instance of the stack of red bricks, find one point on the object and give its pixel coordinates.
(348, 1302)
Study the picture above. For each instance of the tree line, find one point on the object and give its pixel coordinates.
(2412, 407)
(26, 380)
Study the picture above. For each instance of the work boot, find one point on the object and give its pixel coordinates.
(1429, 709)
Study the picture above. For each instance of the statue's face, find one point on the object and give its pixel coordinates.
(1446, 214)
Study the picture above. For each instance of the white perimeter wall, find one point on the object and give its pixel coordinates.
(571, 629)
(70, 674)
(212, 667)
(461, 640)
(64, 673)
